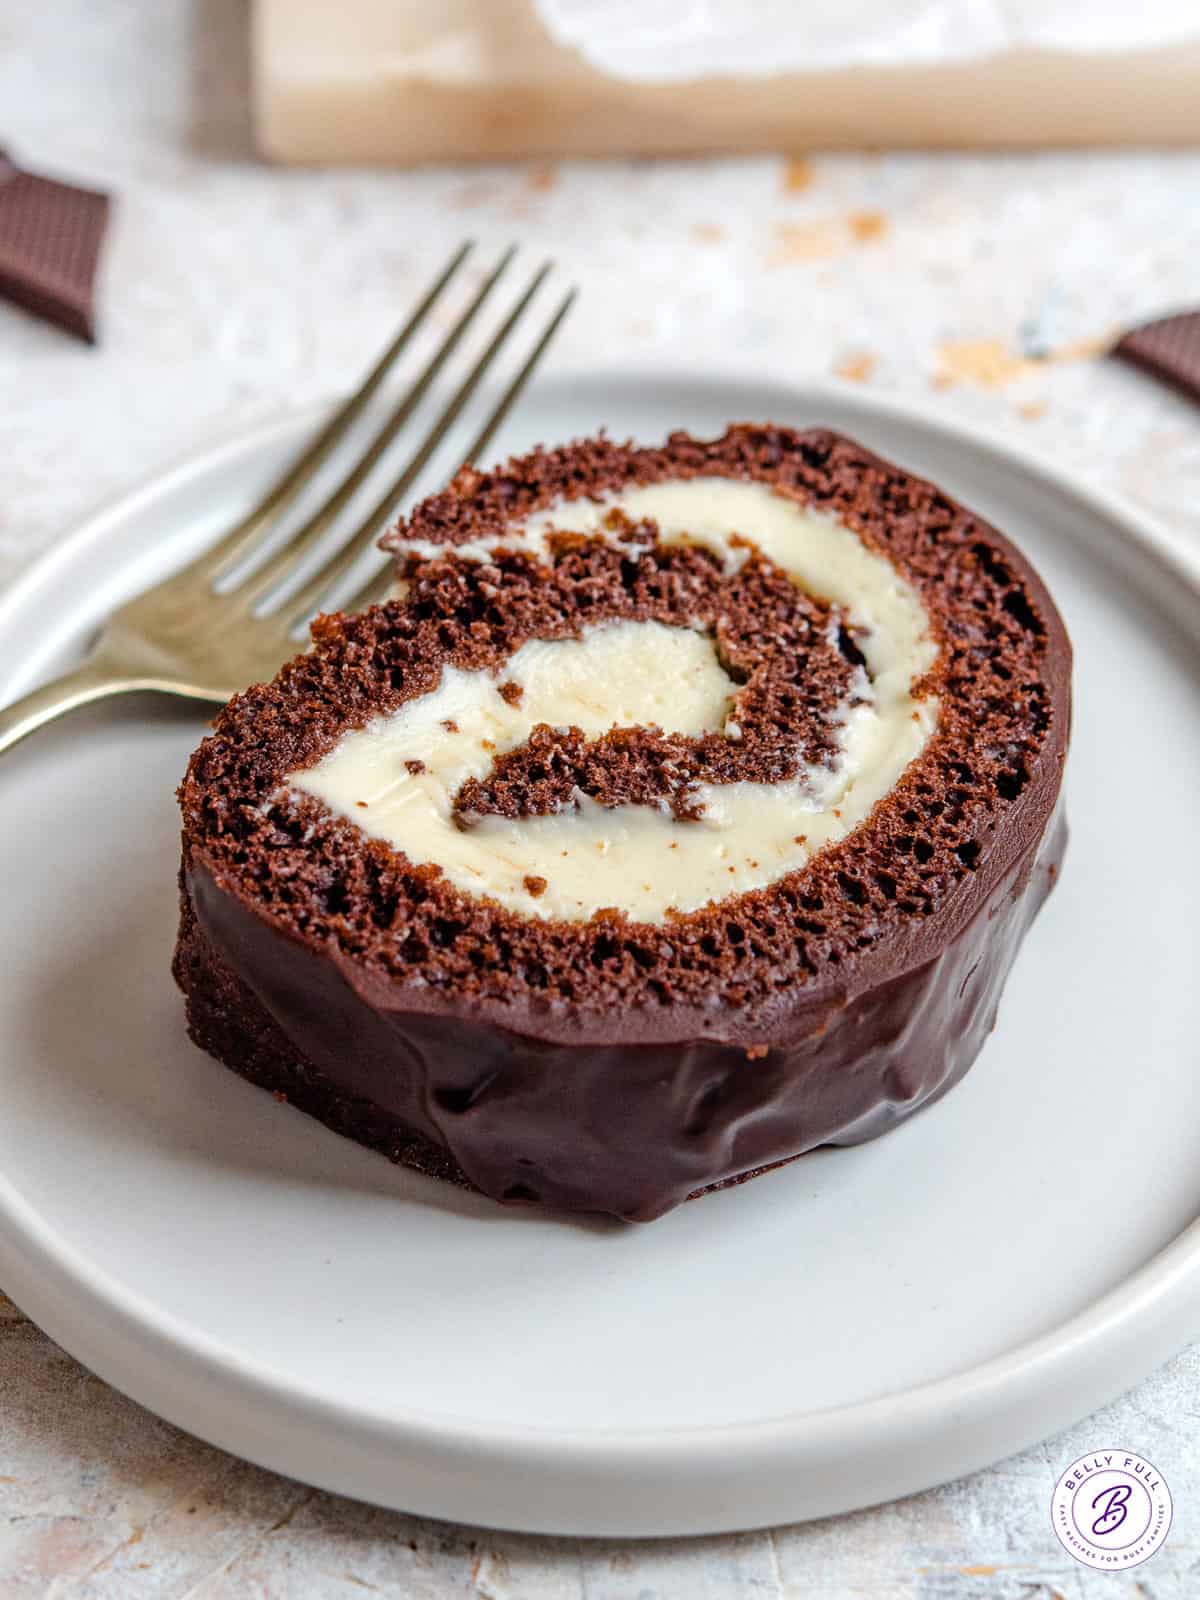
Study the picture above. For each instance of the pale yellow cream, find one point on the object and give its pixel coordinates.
(640, 859)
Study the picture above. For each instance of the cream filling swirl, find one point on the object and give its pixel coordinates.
(397, 777)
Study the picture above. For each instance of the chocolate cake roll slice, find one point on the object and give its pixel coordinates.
(686, 812)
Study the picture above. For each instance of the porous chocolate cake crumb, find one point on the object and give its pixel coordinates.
(996, 714)
(867, 978)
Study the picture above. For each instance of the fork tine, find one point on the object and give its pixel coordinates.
(266, 576)
(511, 395)
(307, 598)
(377, 587)
(284, 490)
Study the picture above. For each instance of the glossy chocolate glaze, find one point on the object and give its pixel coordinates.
(621, 1127)
(623, 1067)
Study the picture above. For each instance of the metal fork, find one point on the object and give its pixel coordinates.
(201, 636)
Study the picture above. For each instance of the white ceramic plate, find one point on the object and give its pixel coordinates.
(853, 1327)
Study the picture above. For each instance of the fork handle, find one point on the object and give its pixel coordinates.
(87, 682)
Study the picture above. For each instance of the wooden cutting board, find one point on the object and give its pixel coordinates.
(401, 81)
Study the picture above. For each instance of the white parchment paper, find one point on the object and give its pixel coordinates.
(671, 41)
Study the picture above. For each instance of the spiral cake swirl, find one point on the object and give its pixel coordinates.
(684, 813)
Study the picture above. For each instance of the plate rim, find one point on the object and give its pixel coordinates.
(1140, 1308)
(1142, 527)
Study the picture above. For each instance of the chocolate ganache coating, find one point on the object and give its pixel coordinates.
(607, 1063)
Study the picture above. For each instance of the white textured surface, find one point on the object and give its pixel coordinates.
(231, 292)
